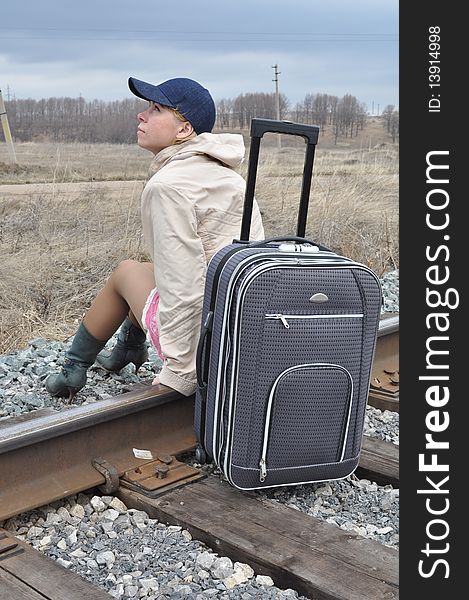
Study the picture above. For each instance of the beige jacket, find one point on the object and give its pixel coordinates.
(191, 206)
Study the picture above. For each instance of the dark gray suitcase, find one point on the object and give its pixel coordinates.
(285, 352)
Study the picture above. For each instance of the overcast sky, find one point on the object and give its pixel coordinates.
(90, 47)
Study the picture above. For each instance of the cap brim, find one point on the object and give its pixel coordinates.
(147, 91)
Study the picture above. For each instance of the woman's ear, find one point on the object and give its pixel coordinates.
(185, 130)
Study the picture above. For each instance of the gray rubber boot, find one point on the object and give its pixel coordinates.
(79, 358)
(131, 347)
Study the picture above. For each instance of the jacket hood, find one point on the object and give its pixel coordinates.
(227, 148)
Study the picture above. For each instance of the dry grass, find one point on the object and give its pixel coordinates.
(60, 239)
(353, 205)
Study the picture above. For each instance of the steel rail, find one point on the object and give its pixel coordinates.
(384, 384)
(47, 455)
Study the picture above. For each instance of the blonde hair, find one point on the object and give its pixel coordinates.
(180, 117)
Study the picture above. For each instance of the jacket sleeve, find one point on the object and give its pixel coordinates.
(180, 267)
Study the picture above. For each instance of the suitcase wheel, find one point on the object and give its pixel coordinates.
(200, 455)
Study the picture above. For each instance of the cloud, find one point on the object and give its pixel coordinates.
(90, 48)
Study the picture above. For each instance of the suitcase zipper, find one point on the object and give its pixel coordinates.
(286, 318)
(263, 461)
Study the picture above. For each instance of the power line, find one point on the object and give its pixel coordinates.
(215, 36)
(185, 39)
(192, 31)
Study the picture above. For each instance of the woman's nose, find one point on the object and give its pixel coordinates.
(141, 116)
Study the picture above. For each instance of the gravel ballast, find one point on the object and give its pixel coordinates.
(22, 373)
(132, 556)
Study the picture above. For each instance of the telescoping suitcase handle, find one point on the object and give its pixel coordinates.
(258, 128)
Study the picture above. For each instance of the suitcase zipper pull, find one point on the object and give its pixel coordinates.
(281, 318)
(263, 473)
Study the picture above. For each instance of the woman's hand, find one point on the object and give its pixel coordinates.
(156, 380)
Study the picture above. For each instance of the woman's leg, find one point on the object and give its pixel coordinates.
(126, 290)
(124, 293)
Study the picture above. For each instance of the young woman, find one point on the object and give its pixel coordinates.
(190, 207)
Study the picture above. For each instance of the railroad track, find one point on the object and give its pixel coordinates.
(47, 455)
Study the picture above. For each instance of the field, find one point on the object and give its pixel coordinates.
(70, 212)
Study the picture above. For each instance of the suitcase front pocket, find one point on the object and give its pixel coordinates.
(307, 418)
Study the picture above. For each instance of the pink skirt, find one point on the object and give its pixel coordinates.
(149, 321)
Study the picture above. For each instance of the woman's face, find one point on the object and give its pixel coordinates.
(158, 128)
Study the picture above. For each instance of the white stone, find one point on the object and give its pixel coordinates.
(138, 516)
(222, 568)
(384, 530)
(205, 560)
(264, 580)
(186, 535)
(127, 579)
(202, 574)
(62, 544)
(110, 514)
(370, 528)
(107, 557)
(63, 513)
(324, 490)
(150, 584)
(97, 504)
(45, 541)
(92, 564)
(64, 563)
(34, 532)
(53, 519)
(77, 511)
(289, 593)
(78, 553)
(118, 505)
(237, 578)
(72, 538)
(245, 569)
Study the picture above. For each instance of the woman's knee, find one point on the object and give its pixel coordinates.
(130, 277)
(126, 266)
(126, 270)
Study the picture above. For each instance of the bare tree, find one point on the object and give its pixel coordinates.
(75, 119)
(390, 118)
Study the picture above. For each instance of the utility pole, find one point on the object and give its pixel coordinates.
(6, 129)
(277, 101)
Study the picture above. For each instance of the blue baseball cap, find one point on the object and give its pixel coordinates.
(188, 97)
